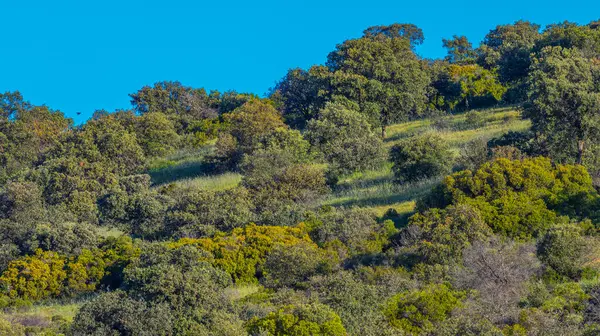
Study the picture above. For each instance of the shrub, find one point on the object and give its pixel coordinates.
(242, 252)
(519, 198)
(156, 134)
(356, 296)
(11, 329)
(282, 198)
(303, 320)
(563, 248)
(197, 213)
(47, 274)
(346, 140)
(523, 141)
(292, 266)
(440, 236)
(417, 311)
(507, 152)
(473, 154)
(146, 214)
(356, 229)
(115, 313)
(419, 158)
(179, 277)
(247, 126)
(474, 119)
(35, 277)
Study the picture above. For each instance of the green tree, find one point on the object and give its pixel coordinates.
(460, 50)
(180, 103)
(156, 134)
(564, 97)
(248, 125)
(115, 313)
(422, 157)
(507, 49)
(570, 35)
(406, 31)
(478, 86)
(563, 249)
(292, 266)
(105, 140)
(381, 72)
(302, 94)
(439, 236)
(356, 229)
(520, 198)
(27, 133)
(346, 140)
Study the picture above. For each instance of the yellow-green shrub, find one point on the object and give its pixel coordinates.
(35, 277)
(240, 252)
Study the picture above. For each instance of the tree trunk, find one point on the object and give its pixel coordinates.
(383, 131)
(580, 150)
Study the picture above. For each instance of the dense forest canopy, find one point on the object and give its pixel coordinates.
(380, 193)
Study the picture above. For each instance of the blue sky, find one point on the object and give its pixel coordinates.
(87, 55)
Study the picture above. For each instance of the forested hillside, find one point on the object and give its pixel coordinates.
(380, 193)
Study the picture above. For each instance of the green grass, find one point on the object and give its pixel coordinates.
(184, 164)
(106, 232)
(495, 123)
(239, 292)
(374, 189)
(377, 190)
(190, 169)
(211, 182)
(42, 315)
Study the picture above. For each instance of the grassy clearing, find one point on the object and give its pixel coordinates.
(106, 232)
(236, 293)
(43, 315)
(184, 164)
(495, 122)
(211, 182)
(190, 169)
(378, 191)
(374, 189)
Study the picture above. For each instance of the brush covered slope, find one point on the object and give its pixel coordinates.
(377, 194)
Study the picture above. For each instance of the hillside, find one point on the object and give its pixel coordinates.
(373, 190)
(376, 194)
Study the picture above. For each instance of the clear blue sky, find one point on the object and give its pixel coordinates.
(87, 55)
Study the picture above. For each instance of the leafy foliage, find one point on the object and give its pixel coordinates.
(299, 320)
(423, 157)
(345, 139)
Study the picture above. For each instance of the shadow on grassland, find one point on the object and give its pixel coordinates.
(381, 192)
(185, 170)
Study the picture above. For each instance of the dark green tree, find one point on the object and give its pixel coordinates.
(381, 72)
(564, 100)
(302, 94)
(422, 157)
(345, 139)
(460, 50)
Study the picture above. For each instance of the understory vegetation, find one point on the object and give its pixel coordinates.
(378, 194)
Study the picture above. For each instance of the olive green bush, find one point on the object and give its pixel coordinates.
(420, 158)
